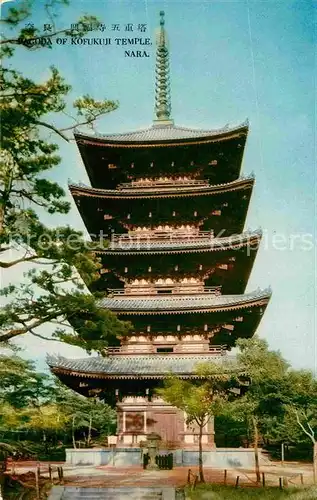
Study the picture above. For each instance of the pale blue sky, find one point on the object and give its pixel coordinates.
(229, 61)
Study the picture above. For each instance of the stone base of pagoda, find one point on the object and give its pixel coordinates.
(191, 440)
(221, 458)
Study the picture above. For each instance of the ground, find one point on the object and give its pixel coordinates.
(295, 474)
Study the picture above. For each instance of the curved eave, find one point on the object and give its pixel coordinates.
(237, 185)
(143, 139)
(235, 242)
(136, 367)
(65, 371)
(216, 305)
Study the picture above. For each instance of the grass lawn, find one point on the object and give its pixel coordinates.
(215, 492)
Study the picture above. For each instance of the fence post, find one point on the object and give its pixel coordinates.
(237, 482)
(50, 472)
(188, 476)
(195, 481)
(225, 477)
(302, 479)
(263, 479)
(281, 483)
(37, 485)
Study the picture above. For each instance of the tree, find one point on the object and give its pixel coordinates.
(263, 398)
(201, 400)
(303, 406)
(53, 292)
(277, 397)
(36, 403)
(86, 415)
(21, 386)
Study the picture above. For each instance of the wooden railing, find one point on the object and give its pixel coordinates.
(151, 236)
(164, 290)
(162, 183)
(216, 349)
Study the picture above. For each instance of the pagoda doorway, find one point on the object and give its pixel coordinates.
(167, 424)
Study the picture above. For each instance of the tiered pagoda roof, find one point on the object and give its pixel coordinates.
(141, 366)
(174, 203)
(157, 133)
(79, 190)
(182, 304)
(193, 244)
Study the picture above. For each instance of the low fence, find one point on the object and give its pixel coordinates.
(229, 478)
(35, 478)
(164, 462)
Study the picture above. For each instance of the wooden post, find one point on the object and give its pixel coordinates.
(195, 481)
(50, 471)
(256, 449)
(302, 479)
(225, 477)
(237, 482)
(281, 483)
(37, 483)
(315, 462)
(188, 476)
(263, 479)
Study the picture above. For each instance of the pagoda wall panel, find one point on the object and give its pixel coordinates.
(223, 212)
(109, 166)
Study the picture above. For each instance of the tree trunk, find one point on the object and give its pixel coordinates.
(256, 449)
(200, 454)
(2, 484)
(315, 462)
(89, 431)
(73, 432)
(1, 219)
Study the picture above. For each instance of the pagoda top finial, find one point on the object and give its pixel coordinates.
(162, 20)
(162, 80)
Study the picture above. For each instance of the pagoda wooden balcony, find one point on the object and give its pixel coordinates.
(160, 236)
(219, 350)
(149, 183)
(163, 290)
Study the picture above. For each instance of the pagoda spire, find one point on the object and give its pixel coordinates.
(162, 78)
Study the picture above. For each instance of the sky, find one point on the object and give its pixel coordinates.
(230, 60)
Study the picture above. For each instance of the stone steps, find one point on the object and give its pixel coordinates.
(73, 493)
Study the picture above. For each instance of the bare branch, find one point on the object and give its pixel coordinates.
(311, 436)
(27, 328)
(43, 338)
(6, 265)
(54, 129)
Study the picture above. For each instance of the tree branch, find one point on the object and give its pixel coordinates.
(42, 337)
(54, 129)
(311, 436)
(6, 265)
(27, 328)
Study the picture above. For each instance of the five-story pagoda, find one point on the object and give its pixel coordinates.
(173, 203)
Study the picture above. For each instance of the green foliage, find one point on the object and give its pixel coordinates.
(29, 110)
(215, 492)
(37, 413)
(280, 401)
(198, 399)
